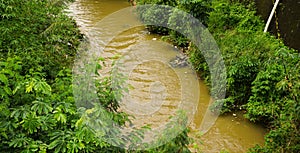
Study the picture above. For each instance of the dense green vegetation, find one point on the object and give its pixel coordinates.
(262, 73)
(38, 46)
(37, 107)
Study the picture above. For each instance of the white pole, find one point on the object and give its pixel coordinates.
(271, 15)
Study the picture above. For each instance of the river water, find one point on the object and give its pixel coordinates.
(150, 77)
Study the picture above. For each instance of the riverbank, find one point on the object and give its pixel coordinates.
(38, 110)
(38, 46)
(262, 73)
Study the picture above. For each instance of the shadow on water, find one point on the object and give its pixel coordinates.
(288, 18)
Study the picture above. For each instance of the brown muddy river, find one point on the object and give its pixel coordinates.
(156, 89)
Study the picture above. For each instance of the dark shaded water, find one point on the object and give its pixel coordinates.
(288, 18)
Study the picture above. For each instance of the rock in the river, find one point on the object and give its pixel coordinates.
(179, 61)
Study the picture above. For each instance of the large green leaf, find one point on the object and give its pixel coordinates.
(41, 107)
(3, 79)
(31, 123)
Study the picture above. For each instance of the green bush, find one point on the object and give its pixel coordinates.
(197, 8)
